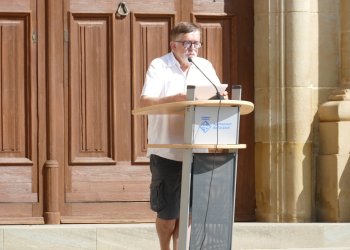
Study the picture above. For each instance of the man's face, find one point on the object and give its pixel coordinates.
(186, 45)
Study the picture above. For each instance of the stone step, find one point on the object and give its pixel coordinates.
(143, 236)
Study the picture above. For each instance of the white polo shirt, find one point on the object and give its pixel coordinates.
(164, 77)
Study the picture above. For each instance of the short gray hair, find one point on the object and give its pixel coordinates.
(183, 28)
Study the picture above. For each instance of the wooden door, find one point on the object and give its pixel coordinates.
(106, 172)
(22, 113)
(103, 183)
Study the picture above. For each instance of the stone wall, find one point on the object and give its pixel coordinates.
(297, 54)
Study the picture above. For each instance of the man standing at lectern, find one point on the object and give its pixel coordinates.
(166, 81)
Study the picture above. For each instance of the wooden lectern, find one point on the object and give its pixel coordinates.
(211, 126)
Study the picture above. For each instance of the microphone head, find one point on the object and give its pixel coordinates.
(189, 59)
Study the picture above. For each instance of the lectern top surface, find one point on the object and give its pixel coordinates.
(178, 107)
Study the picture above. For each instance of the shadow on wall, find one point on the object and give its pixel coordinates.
(304, 205)
(344, 192)
(328, 58)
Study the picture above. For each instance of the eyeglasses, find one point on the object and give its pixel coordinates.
(188, 44)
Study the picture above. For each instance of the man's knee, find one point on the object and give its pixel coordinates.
(166, 225)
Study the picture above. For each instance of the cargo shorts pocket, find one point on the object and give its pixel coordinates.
(157, 199)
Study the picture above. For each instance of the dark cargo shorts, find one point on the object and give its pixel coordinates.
(165, 187)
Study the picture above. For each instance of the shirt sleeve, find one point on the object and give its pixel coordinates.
(153, 81)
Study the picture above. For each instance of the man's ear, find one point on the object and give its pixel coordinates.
(172, 45)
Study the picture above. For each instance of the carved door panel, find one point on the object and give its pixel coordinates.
(106, 170)
(21, 109)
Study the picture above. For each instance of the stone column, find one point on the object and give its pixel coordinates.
(284, 51)
(333, 169)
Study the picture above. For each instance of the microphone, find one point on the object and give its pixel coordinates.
(215, 97)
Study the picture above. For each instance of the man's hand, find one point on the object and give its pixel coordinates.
(177, 98)
(225, 95)
(148, 101)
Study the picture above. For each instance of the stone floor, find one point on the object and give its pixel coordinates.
(143, 236)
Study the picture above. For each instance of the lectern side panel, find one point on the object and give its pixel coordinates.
(213, 201)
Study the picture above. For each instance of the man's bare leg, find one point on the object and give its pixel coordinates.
(165, 231)
(176, 235)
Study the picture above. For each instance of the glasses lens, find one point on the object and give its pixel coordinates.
(188, 44)
(197, 45)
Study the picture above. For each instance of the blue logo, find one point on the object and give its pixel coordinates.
(205, 126)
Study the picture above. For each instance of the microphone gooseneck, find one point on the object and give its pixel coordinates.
(217, 96)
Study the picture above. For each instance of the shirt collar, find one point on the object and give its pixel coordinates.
(172, 60)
